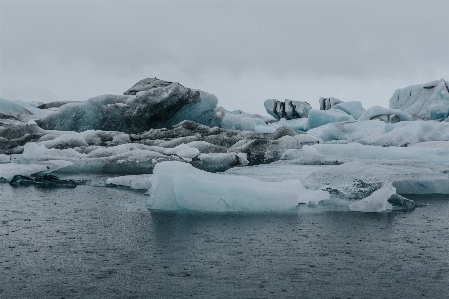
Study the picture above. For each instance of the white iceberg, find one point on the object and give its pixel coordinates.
(376, 202)
(139, 182)
(179, 186)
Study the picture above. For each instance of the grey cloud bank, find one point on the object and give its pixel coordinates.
(243, 52)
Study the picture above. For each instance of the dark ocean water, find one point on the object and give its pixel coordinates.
(92, 242)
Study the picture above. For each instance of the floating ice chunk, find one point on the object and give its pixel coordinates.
(116, 150)
(307, 139)
(159, 107)
(278, 171)
(386, 115)
(188, 153)
(328, 103)
(360, 151)
(179, 186)
(299, 124)
(265, 129)
(380, 133)
(174, 150)
(86, 138)
(353, 108)
(426, 101)
(131, 162)
(215, 162)
(321, 117)
(307, 155)
(9, 170)
(53, 165)
(355, 180)
(32, 150)
(4, 158)
(7, 106)
(238, 122)
(139, 182)
(311, 155)
(376, 202)
(292, 154)
(288, 109)
(432, 144)
(206, 147)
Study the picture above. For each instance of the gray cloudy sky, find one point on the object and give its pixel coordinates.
(242, 51)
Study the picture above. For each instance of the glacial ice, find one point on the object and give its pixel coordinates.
(139, 182)
(9, 170)
(353, 180)
(238, 122)
(288, 109)
(360, 151)
(328, 103)
(4, 158)
(188, 153)
(425, 101)
(179, 186)
(376, 202)
(377, 132)
(382, 152)
(7, 107)
(353, 108)
(217, 162)
(307, 155)
(299, 124)
(318, 118)
(386, 115)
(157, 107)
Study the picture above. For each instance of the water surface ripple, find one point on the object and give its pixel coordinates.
(92, 242)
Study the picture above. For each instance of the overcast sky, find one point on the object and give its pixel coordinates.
(242, 51)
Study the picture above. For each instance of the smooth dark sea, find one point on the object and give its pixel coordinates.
(92, 242)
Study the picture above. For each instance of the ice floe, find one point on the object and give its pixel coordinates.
(179, 186)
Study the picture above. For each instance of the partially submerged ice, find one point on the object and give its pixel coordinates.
(139, 181)
(179, 186)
